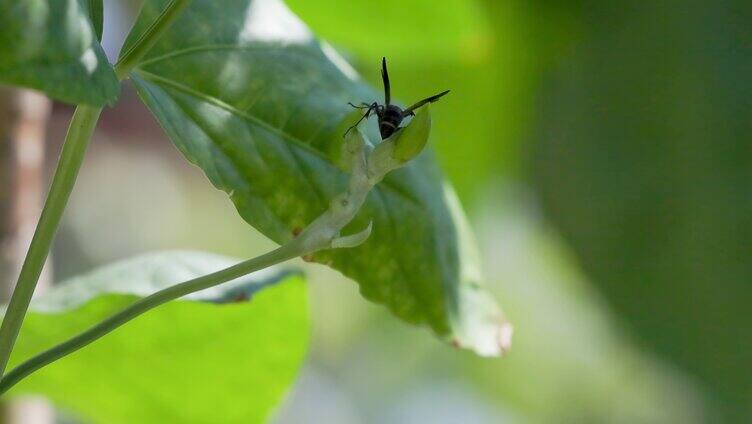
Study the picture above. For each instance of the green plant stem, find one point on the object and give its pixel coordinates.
(281, 254)
(146, 40)
(76, 141)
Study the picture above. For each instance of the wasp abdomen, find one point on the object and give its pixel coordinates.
(389, 121)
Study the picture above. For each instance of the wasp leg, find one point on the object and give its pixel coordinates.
(362, 105)
(372, 107)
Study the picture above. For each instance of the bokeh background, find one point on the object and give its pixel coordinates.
(602, 150)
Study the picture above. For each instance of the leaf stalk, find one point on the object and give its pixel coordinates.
(76, 141)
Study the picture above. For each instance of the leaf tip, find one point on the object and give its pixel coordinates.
(500, 345)
(504, 339)
(482, 326)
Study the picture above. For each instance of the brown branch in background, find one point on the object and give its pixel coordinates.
(23, 123)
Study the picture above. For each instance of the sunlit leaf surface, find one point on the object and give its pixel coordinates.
(226, 354)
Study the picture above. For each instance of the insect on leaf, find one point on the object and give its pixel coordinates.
(248, 94)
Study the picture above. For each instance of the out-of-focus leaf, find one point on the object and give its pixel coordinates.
(226, 354)
(643, 160)
(248, 94)
(416, 31)
(52, 46)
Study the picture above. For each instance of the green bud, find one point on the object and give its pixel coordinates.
(411, 140)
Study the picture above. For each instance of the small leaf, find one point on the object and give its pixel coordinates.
(52, 46)
(225, 354)
(247, 93)
(409, 142)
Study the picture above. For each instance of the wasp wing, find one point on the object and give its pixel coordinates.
(431, 99)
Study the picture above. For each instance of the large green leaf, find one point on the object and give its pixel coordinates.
(249, 95)
(213, 357)
(52, 46)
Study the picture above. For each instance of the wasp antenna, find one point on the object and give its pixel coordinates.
(431, 99)
(385, 77)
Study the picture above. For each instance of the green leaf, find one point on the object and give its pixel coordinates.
(247, 93)
(417, 30)
(411, 140)
(212, 357)
(52, 46)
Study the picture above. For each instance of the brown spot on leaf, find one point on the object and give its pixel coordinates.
(241, 297)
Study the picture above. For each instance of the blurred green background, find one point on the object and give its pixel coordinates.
(603, 152)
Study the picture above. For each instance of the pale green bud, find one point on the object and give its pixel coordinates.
(411, 140)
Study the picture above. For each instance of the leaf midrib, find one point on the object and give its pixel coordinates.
(208, 48)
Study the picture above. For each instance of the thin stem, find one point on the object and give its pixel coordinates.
(281, 254)
(131, 57)
(76, 141)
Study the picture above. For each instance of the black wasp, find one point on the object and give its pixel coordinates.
(390, 116)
